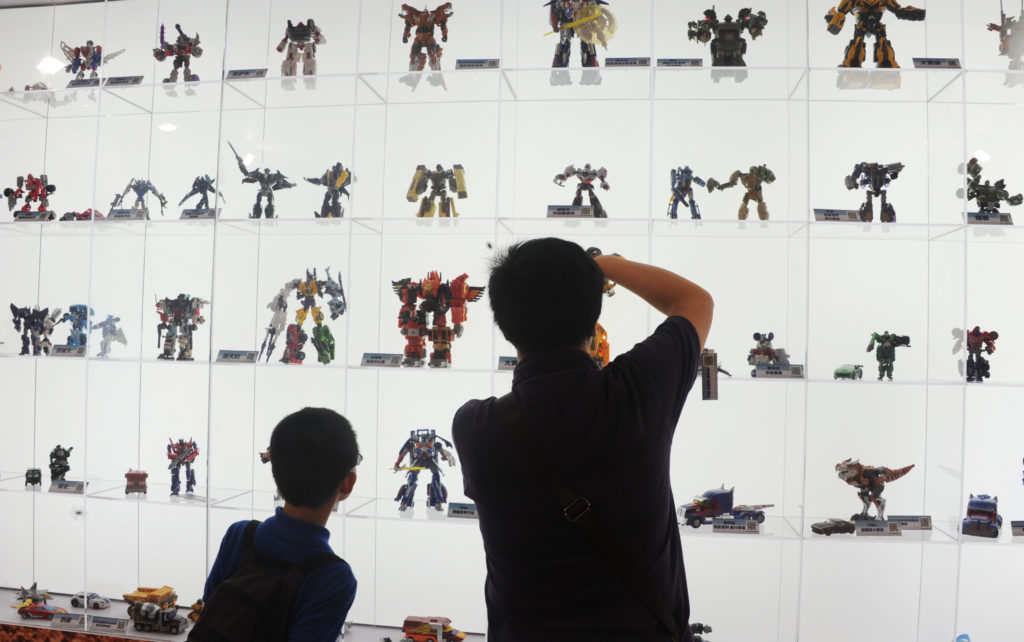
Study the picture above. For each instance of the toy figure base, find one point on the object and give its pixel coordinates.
(884, 79)
(240, 74)
(68, 486)
(830, 215)
(735, 526)
(737, 74)
(379, 360)
(571, 211)
(877, 527)
(84, 82)
(462, 510)
(771, 370)
(129, 215)
(200, 214)
(986, 218)
(68, 351)
(913, 522)
(34, 216)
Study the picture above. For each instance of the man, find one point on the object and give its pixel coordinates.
(609, 434)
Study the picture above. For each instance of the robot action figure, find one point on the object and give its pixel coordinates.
(110, 333)
(886, 352)
(301, 40)
(268, 181)
(682, 189)
(424, 21)
(987, 196)
(181, 454)
(435, 297)
(182, 51)
(34, 190)
(424, 449)
(588, 19)
(79, 315)
(180, 317)
(1011, 39)
(869, 482)
(335, 180)
(600, 350)
(869, 23)
(764, 353)
(36, 325)
(202, 185)
(726, 36)
(59, 465)
(875, 177)
(141, 187)
(455, 178)
(306, 291)
(978, 342)
(89, 56)
(752, 181)
(586, 177)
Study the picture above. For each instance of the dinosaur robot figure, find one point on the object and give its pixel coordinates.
(869, 482)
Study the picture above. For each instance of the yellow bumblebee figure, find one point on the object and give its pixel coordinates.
(441, 181)
(869, 22)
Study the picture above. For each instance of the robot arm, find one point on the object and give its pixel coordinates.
(871, 346)
(851, 180)
(442, 14)
(702, 30)
(318, 35)
(569, 172)
(163, 199)
(407, 14)
(247, 175)
(281, 182)
(601, 174)
(754, 23)
(904, 13)
(836, 16)
(406, 448)
(713, 184)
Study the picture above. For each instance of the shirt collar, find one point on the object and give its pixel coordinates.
(553, 361)
(289, 527)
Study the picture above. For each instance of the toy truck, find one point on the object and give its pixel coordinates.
(983, 518)
(164, 596)
(147, 616)
(430, 629)
(717, 502)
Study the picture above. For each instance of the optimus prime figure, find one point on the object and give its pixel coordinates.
(307, 291)
(424, 22)
(751, 181)
(34, 189)
(588, 19)
(441, 181)
(182, 453)
(586, 177)
(182, 51)
(764, 353)
(202, 185)
(88, 56)
(59, 465)
(301, 40)
(978, 342)
(886, 351)
(869, 482)
(141, 187)
(1011, 38)
(682, 189)
(869, 23)
(435, 297)
(110, 332)
(36, 326)
(875, 177)
(180, 317)
(268, 181)
(987, 196)
(79, 315)
(726, 36)
(424, 449)
(335, 180)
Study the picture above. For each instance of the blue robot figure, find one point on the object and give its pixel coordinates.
(202, 185)
(424, 448)
(111, 332)
(182, 453)
(141, 187)
(682, 189)
(79, 315)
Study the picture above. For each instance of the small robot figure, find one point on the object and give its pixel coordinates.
(435, 297)
(869, 23)
(875, 177)
(79, 315)
(335, 180)
(135, 482)
(180, 317)
(588, 19)
(110, 332)
(441, 181)
(301, 40)
(764, 353)
(182, 51)
(752, 181)
(1011, 38)
(600, 350)
(269, 183)
(697, 629)
(35, 190)
(726, 36)
(886, 351)
(202, 185)
(182, 453)
(424, 21)
(586, 177)
(869, 482)
(59, 465)
(424, 448)
(307, 291)
(978, 342)
(36, 325)
(88, 215)
(89, 56)
(987, 196)
(34, 477)
(141, 187)
(682, 189)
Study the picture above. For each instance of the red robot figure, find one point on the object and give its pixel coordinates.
(435, 297)
(34, 190)
(182, 51)
(424, 448)
(424, 21)
(978, 342)
(86, 57)
(301, 40)
(182, 453)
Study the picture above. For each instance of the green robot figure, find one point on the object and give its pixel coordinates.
(751, 181)
(886, 352)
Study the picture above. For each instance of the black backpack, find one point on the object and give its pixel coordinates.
(256, 602)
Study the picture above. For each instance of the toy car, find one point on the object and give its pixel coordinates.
(430, 629)
(830, 526)
(40, 610)
(983, 518)
(94, 600)
(849, 371)
(34, 477)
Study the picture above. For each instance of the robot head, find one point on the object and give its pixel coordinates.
(432, 283)
(587, 167)
(439, 167)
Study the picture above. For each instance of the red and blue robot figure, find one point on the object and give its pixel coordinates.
(88, 56)
(182, 453)
(182, 50)
(180, 318)
(978, 342)
(437, 298)
(79, 315)
(34, 189)
(424, 449)
(587, 19)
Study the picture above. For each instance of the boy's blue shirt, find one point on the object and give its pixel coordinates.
(326, 595)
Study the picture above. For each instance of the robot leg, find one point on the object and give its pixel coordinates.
(270, 205)
(983, 369)
(446, 207)
(694, 210)
(204, 202)
(415, 350)
(308, 62)
(189, 76)
(174, 73)
(190, 479)
(888, 213)
(588, 54)
(417, 59)
(854, 56)
(24, 344)
(884, 55)
(743, 208)
(407, 491)
(257, 208)
(762, 210)
(596, 204)
(336, 205)
(325, 207)
(673, 207)
(437, 494)
(579, 197)
(426, 208)
(972, 368)
(185, 347)
(175, 481)
(434, 52)
(562, 50)
(866, 210)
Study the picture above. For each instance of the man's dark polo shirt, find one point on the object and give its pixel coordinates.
(610, 434)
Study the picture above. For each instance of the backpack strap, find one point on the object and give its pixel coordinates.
(249, 535)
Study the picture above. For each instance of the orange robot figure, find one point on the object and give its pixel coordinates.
(869, 23)
(424, 22)
(600, 351)
(437, 298)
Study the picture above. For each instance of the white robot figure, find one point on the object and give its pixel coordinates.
(301, 40)
(586, 176)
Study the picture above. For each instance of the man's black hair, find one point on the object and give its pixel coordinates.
(311, 452)
(545, 294)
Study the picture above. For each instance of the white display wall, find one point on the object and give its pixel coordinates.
(822, 288)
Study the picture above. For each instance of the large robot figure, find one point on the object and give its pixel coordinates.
(268, 181)
(682, 189)
(59, 465)
(79, 315)
(88, 56)
(34, 189)
(869, 482)
(335, 180)
(587, 19)
(182, 51)
(435, 297)
(987, 196)
(180, 317)
(36, 325)
(875, 177)
(182, 453)
(726, 36)
(586, 177)
(202, 185)
(978, 342)
(141, 187)
(1011, 36)
(751, 181)
(424, 449)
(424, 22)
(885, 354)
(869, 23)
(307, 291)
(301, 40)
(441, 181)
(110, 332)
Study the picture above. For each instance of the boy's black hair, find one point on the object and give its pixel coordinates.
(545, 294)
(312, 451)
